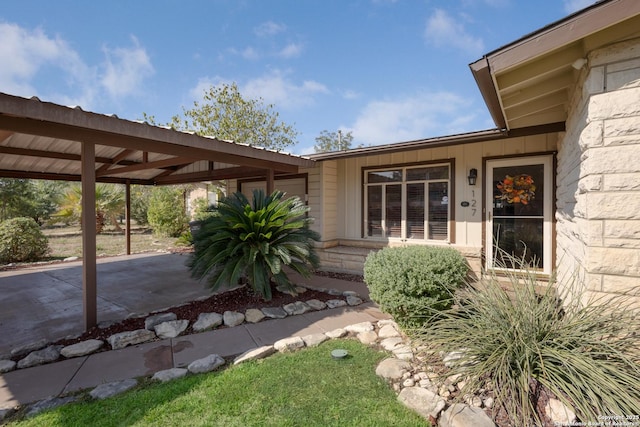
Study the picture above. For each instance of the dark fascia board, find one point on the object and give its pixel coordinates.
(551, 37)
(482, 75)
(78, 124)
(444, 141)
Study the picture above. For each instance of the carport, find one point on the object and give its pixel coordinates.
(41, 140)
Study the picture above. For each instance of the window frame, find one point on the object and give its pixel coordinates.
(450, 237)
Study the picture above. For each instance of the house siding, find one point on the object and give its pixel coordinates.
(341, 182)
(598, 175)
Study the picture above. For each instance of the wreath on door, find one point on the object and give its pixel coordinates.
(517, 189)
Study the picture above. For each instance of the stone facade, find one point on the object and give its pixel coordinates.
(598, 175)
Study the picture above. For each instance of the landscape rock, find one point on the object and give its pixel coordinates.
(450, 359)
(350, 294)
(106, 390)
(314, 340)
(50, 403)
(151, 321)
(316, 304)
(403, 352)
(71, 259)
(254, 354)
(388, 331)
(171, 329)
(207, 321)
(288, 344)
(334, 292)
(82, 348)
(28, 348)
(253, 315)
(360, 327)
(274, 312)
(206, 364)
(390, 343)
(367, 337)
(38, 357)
(335, 303)
(353, 300)
(422, 401)
(123, 339)
(460, 415)
(232, 318)
(7, 365)
(169, 374)
(336, 333)
(392, 368)
(301, 290)
(296, 308)
(559, 413)
(287, 290)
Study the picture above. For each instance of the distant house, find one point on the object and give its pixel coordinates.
(557, 181)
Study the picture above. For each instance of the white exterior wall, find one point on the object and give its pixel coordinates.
(598, 206)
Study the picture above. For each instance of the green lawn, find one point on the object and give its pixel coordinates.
(306, 388)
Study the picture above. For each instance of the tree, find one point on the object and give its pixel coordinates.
(35, 199)
(14, 198)
(166, 212)
(109, 205)
(255, 241)
(226, 115)
(333, 141)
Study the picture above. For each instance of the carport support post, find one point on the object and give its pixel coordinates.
(127, 215)
(89, 271)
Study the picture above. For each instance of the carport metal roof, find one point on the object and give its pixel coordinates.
(42, 140)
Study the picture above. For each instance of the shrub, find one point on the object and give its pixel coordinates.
(202, 209)
(166, 213)
(410, 282)
(526, 343)
(22, 240)
(255, 241)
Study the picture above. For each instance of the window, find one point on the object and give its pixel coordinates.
(408, 203)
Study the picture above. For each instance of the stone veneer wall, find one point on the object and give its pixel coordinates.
(598, 175)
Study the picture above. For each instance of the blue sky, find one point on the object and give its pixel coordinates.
(386, 70)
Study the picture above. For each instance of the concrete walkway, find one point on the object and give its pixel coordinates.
(25, 386)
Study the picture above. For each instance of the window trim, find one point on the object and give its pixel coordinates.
(452, 212)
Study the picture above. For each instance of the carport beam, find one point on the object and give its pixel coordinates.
(88, 218)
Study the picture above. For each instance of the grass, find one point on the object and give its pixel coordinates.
(306, 388)
(66, 241)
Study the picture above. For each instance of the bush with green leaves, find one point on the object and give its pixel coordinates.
(166, 211)
(410, 282)
(22, 240)
(525, 343)
(255, 241)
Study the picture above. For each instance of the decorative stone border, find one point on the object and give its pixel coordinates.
(167, 325)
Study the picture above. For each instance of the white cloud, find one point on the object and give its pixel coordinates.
(444, 31)
(23, 53)
(420, 116)
(269, 28)
(350, 94)
(291, 50)
(571, 6)
(276, 88)
(125, 69)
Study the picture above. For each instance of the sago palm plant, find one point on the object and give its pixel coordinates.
(255, 241)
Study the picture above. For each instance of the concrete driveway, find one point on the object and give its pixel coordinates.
(46, 301)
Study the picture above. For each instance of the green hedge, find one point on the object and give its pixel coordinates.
(22, 240)
(411, 282)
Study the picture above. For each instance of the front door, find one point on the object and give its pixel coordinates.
(519, 212)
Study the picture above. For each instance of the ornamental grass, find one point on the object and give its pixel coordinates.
(527, 343)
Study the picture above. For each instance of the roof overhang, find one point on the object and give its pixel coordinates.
(44, 140)
(441, 141)
(529, 82)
